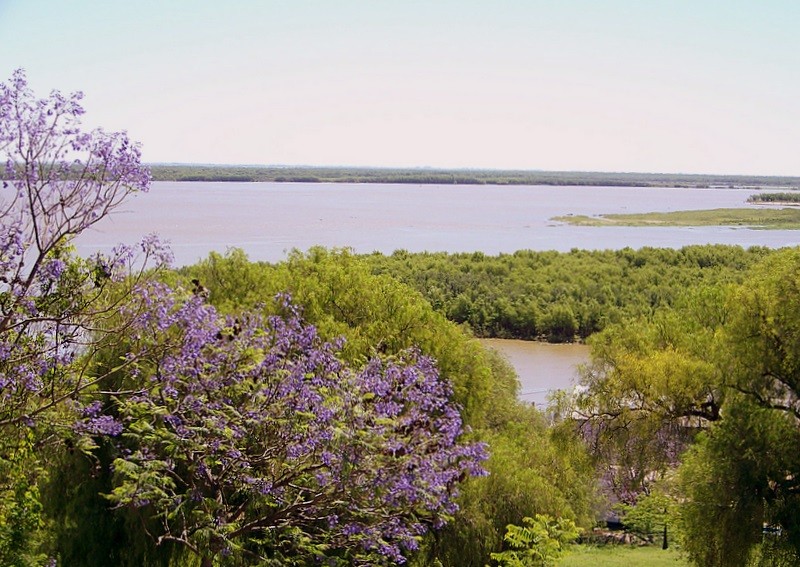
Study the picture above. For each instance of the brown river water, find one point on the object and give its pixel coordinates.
(542, 368)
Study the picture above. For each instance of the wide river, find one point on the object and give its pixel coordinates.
(269, 219)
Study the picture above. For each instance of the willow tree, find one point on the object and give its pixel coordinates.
(743, 478)
(711, 390)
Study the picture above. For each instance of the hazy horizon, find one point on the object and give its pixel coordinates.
(437, 168)
(616, 86)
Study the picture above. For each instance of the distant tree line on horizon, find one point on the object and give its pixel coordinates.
(309, 174)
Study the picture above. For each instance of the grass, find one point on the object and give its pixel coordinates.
(779, 198)
(784, 219)
(622, 556)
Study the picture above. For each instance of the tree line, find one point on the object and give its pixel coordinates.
(782, 197)
(561, 297)
(320, 174)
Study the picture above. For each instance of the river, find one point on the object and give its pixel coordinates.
(268, 220)
(542, 368)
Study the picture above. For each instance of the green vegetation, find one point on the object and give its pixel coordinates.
(702, 401)
(561, 296)
(622, 556)
(681, 357)
(774, 198)
(341, 296)
(540, 542)
(778, 219)
(668, 306)
(307, 174)
(648, 517)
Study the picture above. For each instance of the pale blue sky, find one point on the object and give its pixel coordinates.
(659, 86)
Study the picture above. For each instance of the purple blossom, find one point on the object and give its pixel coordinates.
(101, 425)
(52, 270)
(277, 418)
(58, 180)
(93, 409)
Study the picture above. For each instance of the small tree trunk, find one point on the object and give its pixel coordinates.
(664, 544)
(206, 561)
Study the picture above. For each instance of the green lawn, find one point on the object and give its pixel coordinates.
(786, 219)
(622, 556)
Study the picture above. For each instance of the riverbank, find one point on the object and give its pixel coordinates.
(772, 219)
(312, 174)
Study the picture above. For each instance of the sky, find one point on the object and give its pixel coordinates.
(672, 86)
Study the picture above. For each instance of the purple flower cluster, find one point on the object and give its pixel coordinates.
(99, 426)
(57, 180)
(78, 177)
(270, 431)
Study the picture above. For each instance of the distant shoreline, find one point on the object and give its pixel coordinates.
(759, 218)
(310, 174)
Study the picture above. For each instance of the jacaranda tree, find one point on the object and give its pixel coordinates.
(57, 180)
(250, 438)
